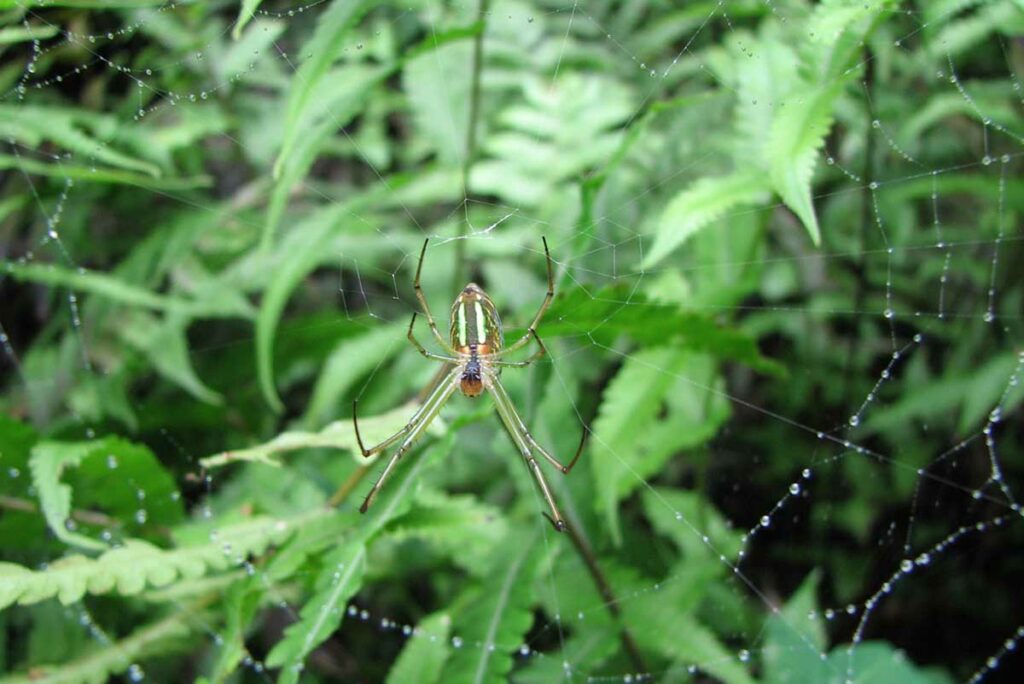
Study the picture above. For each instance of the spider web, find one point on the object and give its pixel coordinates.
(773, 477)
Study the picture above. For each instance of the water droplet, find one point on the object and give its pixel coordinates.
(457, 642)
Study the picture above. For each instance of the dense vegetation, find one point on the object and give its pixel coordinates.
(785, 238)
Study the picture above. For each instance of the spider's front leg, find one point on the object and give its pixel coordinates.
(412, 431)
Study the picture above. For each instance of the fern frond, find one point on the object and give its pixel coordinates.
(700, 205)
(166, 636)
(138, 565)
(498, 614)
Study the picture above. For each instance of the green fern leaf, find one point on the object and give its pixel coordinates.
(342, 573)
(136, 565)
(338, 435)
(91, 463)
(241, 601)
(498, 613)
(700, 205)
(425, 653)
(48, 461)
(81, 132)
(340, 579)
(460, 527)
(797, 133)
(98, 666)
(630, 407)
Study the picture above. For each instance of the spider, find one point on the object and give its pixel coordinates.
(476, 356)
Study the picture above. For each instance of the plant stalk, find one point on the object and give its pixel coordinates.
(458, 273)
(605, 589)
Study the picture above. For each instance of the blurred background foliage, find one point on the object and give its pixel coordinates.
(211, 215)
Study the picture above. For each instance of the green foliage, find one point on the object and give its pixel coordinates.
(211, 216)
(496, 613)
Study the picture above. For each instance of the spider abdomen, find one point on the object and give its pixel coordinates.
(475, 321)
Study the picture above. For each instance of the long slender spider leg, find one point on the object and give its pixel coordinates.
(422, 350)
(543, 307)
(499, 393)
(507, 414)
(425, 406)
(521, 364)
(423, 301)
(438, 399)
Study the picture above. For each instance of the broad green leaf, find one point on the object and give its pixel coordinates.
(131, 568)
(437, 83)
(125, 481)
(165, 345)
(81, 4)
(109, 287)
(320, 52)
(702, 204)
(72, 171)
(71, 129)
(293, 265)
(245, 14)
(603, 316)
(499, 615)
(20, 34)
(798, 131)
(25, 528)
(795, 639)
(425, 652)
(330, 108)
(350, 360)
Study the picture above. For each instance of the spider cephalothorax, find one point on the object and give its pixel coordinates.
(475, 355)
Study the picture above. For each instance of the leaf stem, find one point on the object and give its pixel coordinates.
(14, 503)
(605, 589)
(470, 157)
